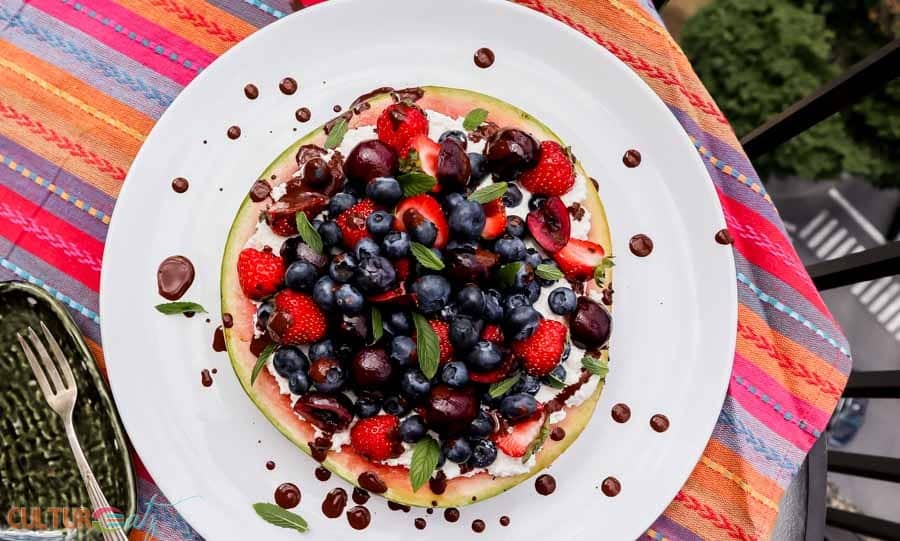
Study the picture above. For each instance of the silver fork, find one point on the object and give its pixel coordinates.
(61, 398)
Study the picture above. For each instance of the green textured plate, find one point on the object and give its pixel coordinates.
(37, 469)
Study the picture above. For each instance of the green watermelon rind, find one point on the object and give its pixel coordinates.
(265, 393)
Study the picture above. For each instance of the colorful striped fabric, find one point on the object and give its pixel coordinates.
(83, 81)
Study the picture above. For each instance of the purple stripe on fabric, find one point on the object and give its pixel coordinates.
(160, 517)
(666, 527)
(783, 322)
(245, 11)
(81, 56)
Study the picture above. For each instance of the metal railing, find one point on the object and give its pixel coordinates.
(867, 76)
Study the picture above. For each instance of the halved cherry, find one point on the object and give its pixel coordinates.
(430, 209)
(550, 226)
(398, 296)
(495, 224)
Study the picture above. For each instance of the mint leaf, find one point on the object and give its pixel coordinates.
(425, 457)
(506, 276)
(474, 119)
(600, 270)
(180, 307)
(488, 193)
(282, 518)
(416, 182)
(261, 362)
(496, 390)
(598, 367)
(411, 163)
(377, 326)
(308, 233)
(427, 345)
(425, 256)
(538, 441)
(337, 133)
(549, 272)
(555, 382)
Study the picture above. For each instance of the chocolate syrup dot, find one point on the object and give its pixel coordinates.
(632, 158)
(270, 465)
(334, 503)
(504, 520)
(234, 132)
(430, 510)
(337, 109)
(558, 433)
(180, 184)
(478, 525)
(174, 276)
(659, 422)
(227, 320)
(484, 58)
(451, 514)
(323, 474)
(218, 344)
(287, 495)
(251, 91)
(205, 378)
(358, 517)
(214, 371)
(303, 114)
(723, 236)
(287, 86)
(394, 506)
(611, 486)
(420, 523)
(621, 413)
(640, 245)
(545, 485)
(360, 496)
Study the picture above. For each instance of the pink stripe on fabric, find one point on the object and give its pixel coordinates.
(142, 29)
(796, 409)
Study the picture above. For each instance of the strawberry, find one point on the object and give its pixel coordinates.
(427, 151)
(284, 227)
(497, 374)
(579, 258)
(541, 352)
(399, 124)
(353, 222)
(492, 333)
(516, 440)
(442, 330)
(553, 175)
(306, 322)
(260, 272)
(495, 223)
(376, 437)
(403, 267)
(430, 209)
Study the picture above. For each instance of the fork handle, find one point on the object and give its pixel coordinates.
(98, 500)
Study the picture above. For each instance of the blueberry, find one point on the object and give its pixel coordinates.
(513, 195)
(484, 453)
(455, 374)
(456, 135)
(263, 312)
(339, 203)
(396, 244)
(375, 274)
(412, 429)
(527, 384)
(521, 323)
(562, 301)
(566, 351)
(290, 359)
(323, 293)
(300, 276)
(367, 406)
(453, 200)
(518, 407)
(479, 168)
(449, 312)
(424, 232)
(483, 425)
(510, 249)
(467, 220)
(514, 301)
(342, 267)
(348, 299)
(298, 382)
(457, 450)
(321, 350)
(335, 378)
(533, 258)
(366, 247)
(559, 372)
(398, 323)
(470, 300)
(515, 226)
(402, 350)
(432, 292)
(524, 277)
(414, 384)
(484, 357)
(533, 291)
(463, 333)
(536, 202)
(330, 233)
(379, 223)
(384, 190)
(395, 405)
(492, 309)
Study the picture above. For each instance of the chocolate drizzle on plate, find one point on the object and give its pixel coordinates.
(270, 465)
(640, 245)
(174, 276)
(504, 520)
(558, 402)
(371, 482)
(227, 320)
(260, 190)
(545, 485)
(303, 114)
(180, 184)
(359, 517)
(611, 486)
(621, 413)
(251, 91)
(323, 474)
(659, 422)
(319, 448)
(632, 158)
(558, 433)
(723, 236)
(233, 132)
(394, 506)
(451, 514)
(334, 503)
(360, 496)
(337, 108)
(478, 525)
(218, 343)
(205, 378)
(287, 495)
(420, 523)
(484, 58)
(288, 86)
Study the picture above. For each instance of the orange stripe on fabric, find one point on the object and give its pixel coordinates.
(743, 469)
(62, 134)
(201, 23)
(97, 351)
(719, 516)
(795, 368)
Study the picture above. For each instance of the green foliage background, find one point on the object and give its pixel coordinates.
(757, 57)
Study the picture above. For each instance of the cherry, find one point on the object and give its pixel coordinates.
(369, 160)
(371, 367)
(590, 325)
(453, 166)
(511, 151)
(449, 410)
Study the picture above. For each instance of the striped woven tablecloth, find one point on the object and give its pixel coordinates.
(83, 81)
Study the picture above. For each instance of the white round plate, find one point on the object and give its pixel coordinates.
(675, 312)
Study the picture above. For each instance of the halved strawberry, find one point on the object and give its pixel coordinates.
(579, 258)
(430, 209)
(497, 374)
(403, 267)
(553, 175)
(376, 437)
(516, 440)
(541, 352)
(399, 124)
(260, 272)
(353, 222)
(442, 330)
(495, 224)
(428, 151)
